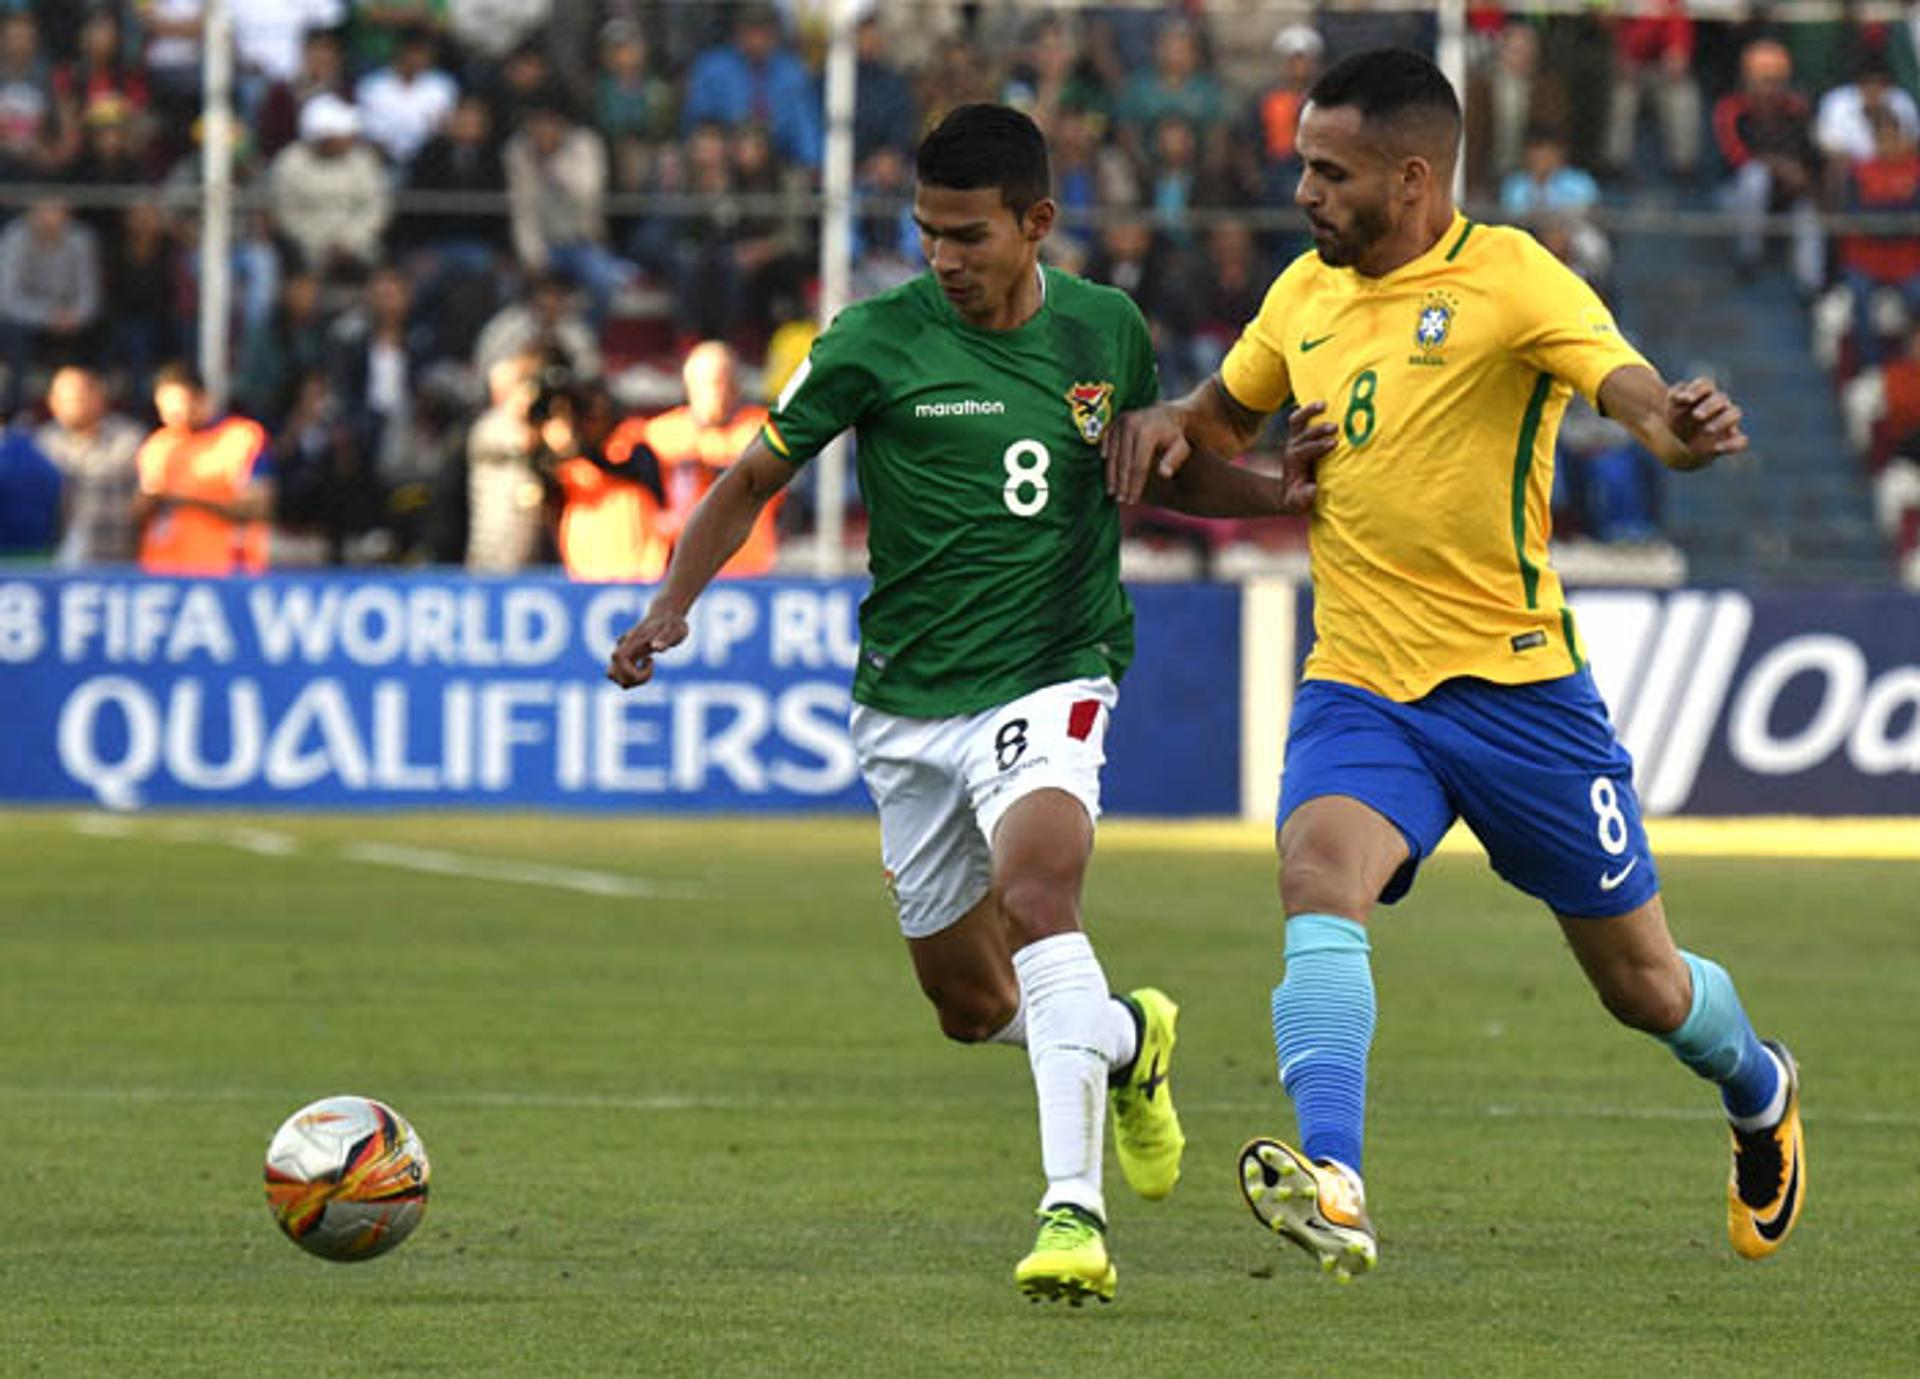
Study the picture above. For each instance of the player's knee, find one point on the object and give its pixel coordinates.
(966, 1027)
(1651, 999)
(1316, 880)
(971, 1014)
(1038, 906)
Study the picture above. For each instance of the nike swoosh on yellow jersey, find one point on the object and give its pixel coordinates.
(1308, 346)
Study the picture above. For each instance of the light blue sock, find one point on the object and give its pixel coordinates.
(1717, 1041)
(1323, 1015)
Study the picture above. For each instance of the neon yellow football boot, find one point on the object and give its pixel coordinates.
(1146, 1128)
(1069, 1259)
(1769, 1178)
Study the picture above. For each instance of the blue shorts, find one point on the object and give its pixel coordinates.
(1535, 770)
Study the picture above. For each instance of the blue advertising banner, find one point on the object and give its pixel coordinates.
(1736, 702)
(415, 690)
(1174, 745)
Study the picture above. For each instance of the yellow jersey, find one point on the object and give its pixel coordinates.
(1446, 380)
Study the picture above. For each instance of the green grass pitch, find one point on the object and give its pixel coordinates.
(688, 1115)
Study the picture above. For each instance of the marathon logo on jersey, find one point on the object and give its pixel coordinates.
(965, 407)
(1092, 408)
(1433, 328)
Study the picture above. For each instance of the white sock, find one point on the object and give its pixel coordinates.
(1070, 1043)
(1125, 1041)
(1769, 1115)
(1126, 1034)
(1015, 1030)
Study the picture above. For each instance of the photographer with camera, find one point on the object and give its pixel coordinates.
(612, 504)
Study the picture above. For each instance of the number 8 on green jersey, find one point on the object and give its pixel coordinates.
(994, 547)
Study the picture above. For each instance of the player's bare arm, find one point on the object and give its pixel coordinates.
(1687, 425)
(1208, 485)
(1159, 439)
(718, 526)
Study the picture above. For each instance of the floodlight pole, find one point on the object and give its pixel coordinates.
(1450, 56)
(216, 205)
(836, 255)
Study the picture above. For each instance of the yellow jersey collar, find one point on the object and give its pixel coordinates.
(1442, 250)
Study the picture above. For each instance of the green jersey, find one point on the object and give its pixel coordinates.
(993, 545)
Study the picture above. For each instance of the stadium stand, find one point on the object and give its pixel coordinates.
(619, 180)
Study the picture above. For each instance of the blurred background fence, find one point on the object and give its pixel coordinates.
(422, 189)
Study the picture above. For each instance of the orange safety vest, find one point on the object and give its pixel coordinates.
(611, 530)
(215, 464)
(1280, 123)
(692, 456)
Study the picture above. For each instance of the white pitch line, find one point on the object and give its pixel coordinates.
(563, 1101)
(104, 826)
(538, 1101)
(261, 842)
(269, 843)
(437, 863)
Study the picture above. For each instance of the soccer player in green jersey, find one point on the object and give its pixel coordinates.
(992, 637)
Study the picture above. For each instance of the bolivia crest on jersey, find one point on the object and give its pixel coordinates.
(1092, 408)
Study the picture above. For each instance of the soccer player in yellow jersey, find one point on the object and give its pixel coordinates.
(1432, 358)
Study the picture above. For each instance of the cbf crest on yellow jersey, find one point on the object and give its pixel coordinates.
(1446, 379)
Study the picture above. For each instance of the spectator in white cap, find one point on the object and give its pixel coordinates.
(330, 193)
(1297, 41)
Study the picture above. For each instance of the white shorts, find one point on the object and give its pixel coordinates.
(943, 784)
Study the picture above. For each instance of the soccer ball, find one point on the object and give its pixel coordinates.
(347, 1178)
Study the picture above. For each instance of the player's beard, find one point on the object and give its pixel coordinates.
(1368, 227)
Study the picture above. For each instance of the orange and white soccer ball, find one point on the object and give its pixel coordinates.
(347, 1178)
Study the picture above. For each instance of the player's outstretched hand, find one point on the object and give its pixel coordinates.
(1137, 443)
(632, 662)
(1308, 442)
(1705, 420)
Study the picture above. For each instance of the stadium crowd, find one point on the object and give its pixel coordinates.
(475, 230)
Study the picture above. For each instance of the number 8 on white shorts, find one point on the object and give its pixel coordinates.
(942, 785)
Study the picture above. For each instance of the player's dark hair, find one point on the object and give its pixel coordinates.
(987, 146)
(1391, 86)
